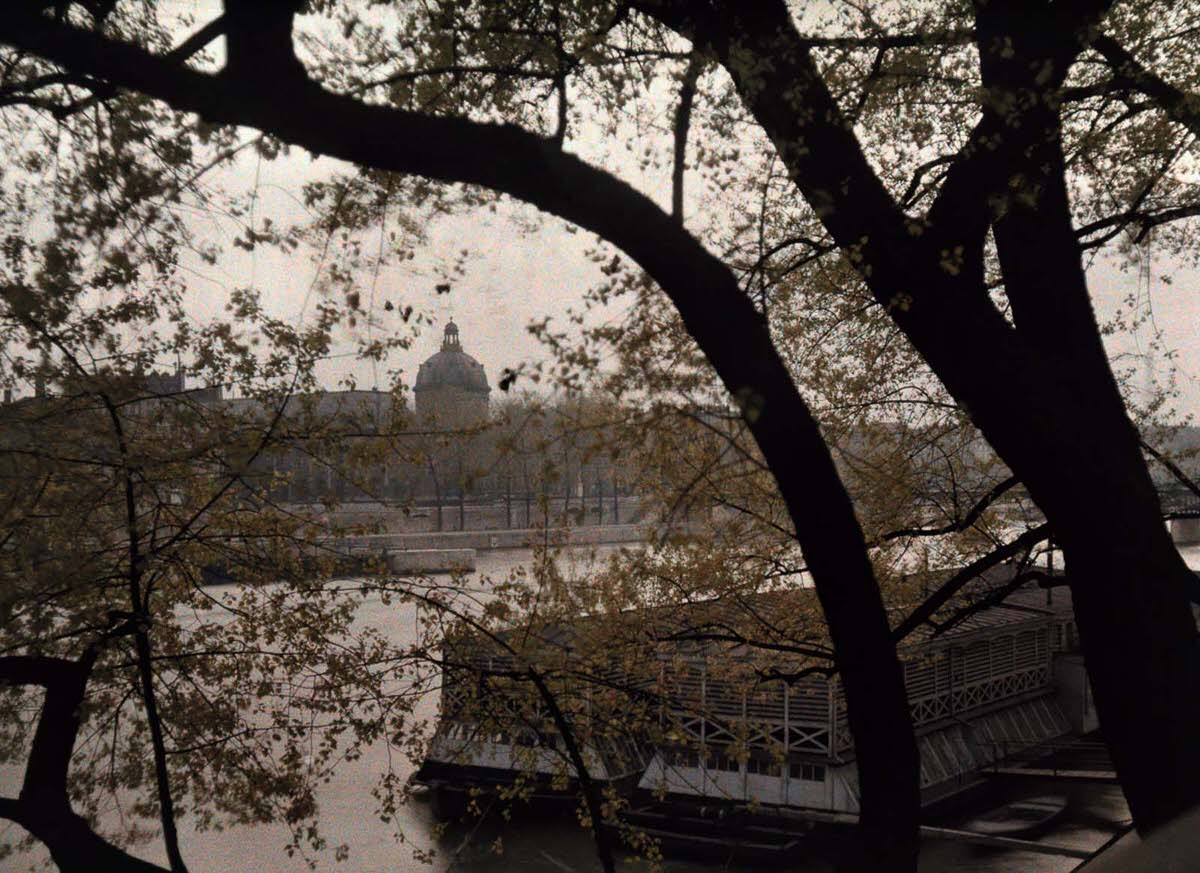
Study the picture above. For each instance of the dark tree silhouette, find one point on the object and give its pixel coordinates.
(1038, 386)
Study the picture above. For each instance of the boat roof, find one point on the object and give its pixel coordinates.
(789, 618)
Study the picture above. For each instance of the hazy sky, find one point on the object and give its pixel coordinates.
(1175, 314)
(514, 275)
(519, 269)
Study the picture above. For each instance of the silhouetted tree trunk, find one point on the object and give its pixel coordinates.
(1040, 389)
(43, 807)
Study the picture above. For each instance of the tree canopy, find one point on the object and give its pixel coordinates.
(914, 189)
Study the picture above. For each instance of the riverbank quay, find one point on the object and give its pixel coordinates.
(515, 538)
(422, 516)
(456, 551)
(445, 552)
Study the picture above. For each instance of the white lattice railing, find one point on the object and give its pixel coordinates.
(957, 700)
(767, 736)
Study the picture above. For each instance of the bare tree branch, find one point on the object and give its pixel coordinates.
(939, 598)
(972, 516)
(683, 119)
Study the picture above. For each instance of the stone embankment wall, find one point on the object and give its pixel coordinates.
(418, 561)
(519, 538)
(448, 551)
(488, 516)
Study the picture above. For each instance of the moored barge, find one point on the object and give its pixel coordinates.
(758, 765)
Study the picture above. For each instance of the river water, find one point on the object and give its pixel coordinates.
(541, 842)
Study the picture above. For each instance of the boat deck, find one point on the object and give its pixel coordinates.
(1079, 759)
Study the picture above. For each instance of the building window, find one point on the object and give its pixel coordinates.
(808, 772)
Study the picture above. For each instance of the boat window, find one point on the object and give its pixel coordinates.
(686, 758)
(723, 761)
(808, 772)
(764, 768)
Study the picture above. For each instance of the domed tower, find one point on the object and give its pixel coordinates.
(452, 388)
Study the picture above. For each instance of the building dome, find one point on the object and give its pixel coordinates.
(452, 368)
(452, 386)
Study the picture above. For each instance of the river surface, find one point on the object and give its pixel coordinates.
(541, 842)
